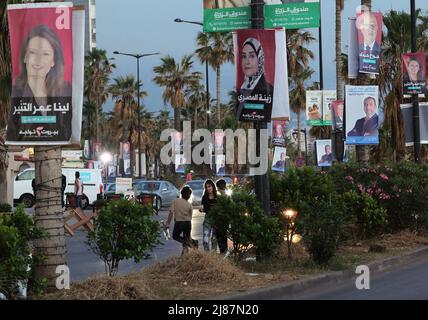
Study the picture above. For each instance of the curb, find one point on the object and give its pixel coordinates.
(288, 290)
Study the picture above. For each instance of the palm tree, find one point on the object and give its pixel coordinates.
(217, 49)
(397, 40)
(123, 91)
(175, 78)
(98, 69)
(298, 97)
(196, 102)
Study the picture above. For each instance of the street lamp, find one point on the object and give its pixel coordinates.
(206, 72)
(138, 57)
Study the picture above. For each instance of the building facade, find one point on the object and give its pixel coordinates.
(90, 23)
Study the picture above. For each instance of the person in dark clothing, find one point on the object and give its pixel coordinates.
(221, 230)
(208, 200)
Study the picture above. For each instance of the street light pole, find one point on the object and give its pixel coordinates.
(138, 57)
(415, 97)
(178, 20)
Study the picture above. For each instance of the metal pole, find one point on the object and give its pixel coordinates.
(306, 147)
(139, 118)
(320, 52)
(415, 97)
(262, 186)
(208, 95)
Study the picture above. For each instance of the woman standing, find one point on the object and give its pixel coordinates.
(208, 200)
(182, 211)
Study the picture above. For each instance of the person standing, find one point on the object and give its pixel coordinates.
(221, 229)
(78, 190)
(182, 212)
(208, 200)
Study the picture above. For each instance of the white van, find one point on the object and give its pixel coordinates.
(91, 178)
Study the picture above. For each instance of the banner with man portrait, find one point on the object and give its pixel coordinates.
(369, 26)
(279, 158)
(362, 119)
(337, 114)
(255, 80)
(414, 73)
(324, 153)
(41, 39)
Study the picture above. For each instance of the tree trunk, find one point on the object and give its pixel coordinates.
(49, 213)
(3, 172)
(218, 96)
(299, 151)
(339, 77)
(363, 152)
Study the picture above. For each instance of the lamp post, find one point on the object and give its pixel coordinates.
(206, 73)
(138, 57)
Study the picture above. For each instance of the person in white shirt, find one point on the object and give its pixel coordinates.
(78, 190)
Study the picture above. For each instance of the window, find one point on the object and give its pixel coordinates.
(27, 175)
(93, 2)
(93, 22)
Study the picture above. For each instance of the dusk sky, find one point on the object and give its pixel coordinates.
(136, 26)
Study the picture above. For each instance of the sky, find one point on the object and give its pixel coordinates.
(146, 26)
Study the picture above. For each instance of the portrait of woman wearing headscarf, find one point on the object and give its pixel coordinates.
(255, 90)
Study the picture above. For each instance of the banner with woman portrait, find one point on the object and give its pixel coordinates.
(41, 39)
(314, 100)
(255, 80)
(414, 73)
(279, 133)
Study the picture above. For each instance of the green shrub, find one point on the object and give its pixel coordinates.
(5, 207)
(123, 230)
(323, 226)
(247, 225)
(16, 259)
(365, 214)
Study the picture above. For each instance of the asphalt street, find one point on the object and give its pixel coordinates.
(83, 263)
(409, 282)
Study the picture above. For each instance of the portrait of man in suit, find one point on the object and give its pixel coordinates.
(369, 42)
(367, 126)
(327, 157)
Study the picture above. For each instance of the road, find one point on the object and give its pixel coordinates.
(408, 282)
(83, 263)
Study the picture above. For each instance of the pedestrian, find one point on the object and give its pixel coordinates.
(208, 200)
(181, 210)
(221, 229)
(78, 190)
(189, 176)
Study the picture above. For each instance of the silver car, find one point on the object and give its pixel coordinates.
(197, 187)
(166, 192)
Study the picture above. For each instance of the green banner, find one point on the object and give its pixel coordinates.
(293, 15)
(38, 119)
(230, 19)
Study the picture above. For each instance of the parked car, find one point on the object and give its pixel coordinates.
(197, 187)
(165, 191)
(91, 178)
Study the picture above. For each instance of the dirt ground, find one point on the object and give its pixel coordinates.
(199, 275)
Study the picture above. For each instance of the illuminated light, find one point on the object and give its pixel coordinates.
(290, 214)
(229, 192)
(106, 157)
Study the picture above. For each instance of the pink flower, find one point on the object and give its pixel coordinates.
(384, 177)
(349, 178)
